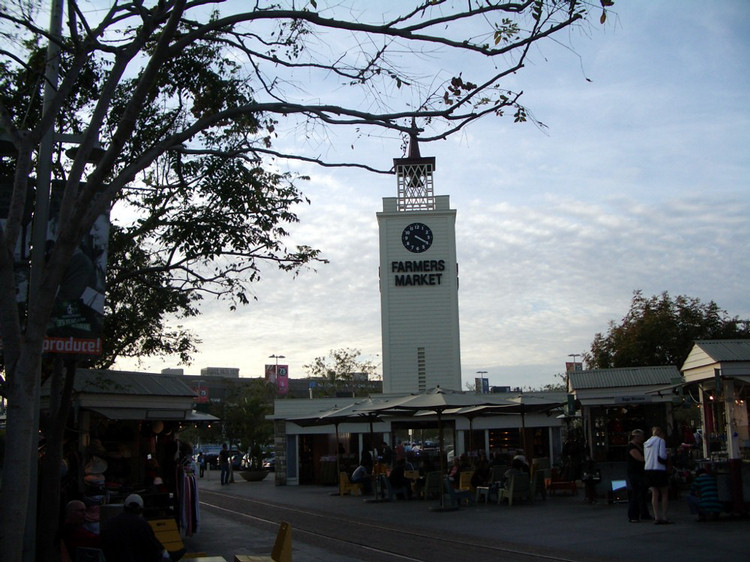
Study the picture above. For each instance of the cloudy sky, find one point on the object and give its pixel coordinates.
(640, 182)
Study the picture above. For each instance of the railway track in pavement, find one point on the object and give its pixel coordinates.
(348, 536)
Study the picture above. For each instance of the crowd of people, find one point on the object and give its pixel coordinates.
(649, 466)
(392, 472)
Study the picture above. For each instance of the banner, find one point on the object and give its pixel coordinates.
(75, 327)
(571, 367)
(201, 393)
(278, 375)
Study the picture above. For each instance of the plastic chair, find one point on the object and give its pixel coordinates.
(464, 481)
(519, 488)
(347, 487)
(281, 551)
(456, 496)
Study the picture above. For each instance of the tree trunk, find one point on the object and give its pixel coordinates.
(21, 443)
(48, 520)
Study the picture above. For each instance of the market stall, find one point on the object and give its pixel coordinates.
(720, 372)
(123, 437)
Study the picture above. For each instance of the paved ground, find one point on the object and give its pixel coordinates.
(561, 524)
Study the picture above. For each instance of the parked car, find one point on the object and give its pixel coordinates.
(211, 455)
(269, 463)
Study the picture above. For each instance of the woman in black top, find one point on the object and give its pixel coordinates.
(637, 504)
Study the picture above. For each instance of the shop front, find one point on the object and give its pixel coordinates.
(718, 371)
(616, 401)
(122, 437)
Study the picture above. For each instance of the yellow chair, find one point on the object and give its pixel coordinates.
(519, 488)
(347, 487)
(464, 482)
(168, 534)
(282, 548)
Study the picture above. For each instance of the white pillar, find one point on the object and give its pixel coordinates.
(733, 441)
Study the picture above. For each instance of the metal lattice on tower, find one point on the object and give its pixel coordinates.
(414, 180)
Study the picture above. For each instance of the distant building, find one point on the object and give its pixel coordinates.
(228, 372)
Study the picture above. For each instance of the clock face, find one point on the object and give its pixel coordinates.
(417, 237)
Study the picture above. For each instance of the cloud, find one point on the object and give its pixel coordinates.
(640, 183)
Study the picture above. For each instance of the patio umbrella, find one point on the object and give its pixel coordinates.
(520, 404)
(359, 411)
(436, 400)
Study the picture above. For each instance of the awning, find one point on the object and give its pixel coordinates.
(140, 413)
(200, 416)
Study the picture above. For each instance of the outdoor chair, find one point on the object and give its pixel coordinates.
(432, 485)
(555, 483)
(497, 472)
(347, 487)
(464, 482)
(282, 548)
(169, 536)
(539, 482)
(455, 497)
(391, 492)
(519, 488)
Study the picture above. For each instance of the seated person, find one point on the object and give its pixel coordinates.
(481, 476)
(399, 482)
(74, 532)
(362, 476)
(128, 536)
(516, 467)
(703, 498)
(454, 474)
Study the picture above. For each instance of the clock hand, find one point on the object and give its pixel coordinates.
(422, 240)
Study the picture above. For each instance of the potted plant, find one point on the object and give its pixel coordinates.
(245, 419)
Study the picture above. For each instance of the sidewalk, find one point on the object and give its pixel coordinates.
(559, 522)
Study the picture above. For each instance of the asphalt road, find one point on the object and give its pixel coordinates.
(243, 518)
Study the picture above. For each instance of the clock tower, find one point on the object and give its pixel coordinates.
(418, 282)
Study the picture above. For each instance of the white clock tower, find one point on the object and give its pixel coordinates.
(418, 282)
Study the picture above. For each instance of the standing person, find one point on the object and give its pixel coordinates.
(201, 464)
(636, 478)
(224, 464)
(128, 537)
(657, 479)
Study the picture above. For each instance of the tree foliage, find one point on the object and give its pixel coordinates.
(340, 368)
(198, 112)
(660, 330)
(244, 417)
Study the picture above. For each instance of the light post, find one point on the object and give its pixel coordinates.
(276, 368)
(567, 372)
(481, 374)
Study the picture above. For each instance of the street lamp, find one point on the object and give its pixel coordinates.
(276, 369)
(481, 379)
(575, 368)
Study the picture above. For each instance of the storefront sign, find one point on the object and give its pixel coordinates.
(631, 399)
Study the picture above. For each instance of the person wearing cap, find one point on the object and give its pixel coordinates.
(128, 537)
